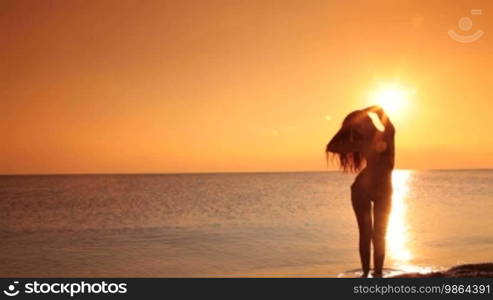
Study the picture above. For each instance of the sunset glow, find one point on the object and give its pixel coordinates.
(394, 99)
(233, 86)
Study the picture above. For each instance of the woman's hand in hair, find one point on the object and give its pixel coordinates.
(389, 127)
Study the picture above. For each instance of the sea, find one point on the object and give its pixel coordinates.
(235, 224)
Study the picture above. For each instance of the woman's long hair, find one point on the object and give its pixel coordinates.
(352, 161)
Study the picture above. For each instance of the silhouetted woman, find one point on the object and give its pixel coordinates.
(365, 144)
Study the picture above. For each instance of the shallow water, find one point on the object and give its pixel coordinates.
(270, 224)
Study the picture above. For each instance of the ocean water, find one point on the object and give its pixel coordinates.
(250, 224)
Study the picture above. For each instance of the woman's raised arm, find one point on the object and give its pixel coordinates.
(389, 127)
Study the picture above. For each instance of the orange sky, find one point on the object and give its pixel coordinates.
(207, 86)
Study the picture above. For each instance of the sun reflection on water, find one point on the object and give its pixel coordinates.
(397, 232)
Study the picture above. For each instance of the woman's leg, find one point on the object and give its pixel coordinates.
(381, 212)
(362, 209)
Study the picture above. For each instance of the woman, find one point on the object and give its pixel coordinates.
(365, 144)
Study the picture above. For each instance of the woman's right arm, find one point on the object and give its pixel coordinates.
(389, 127)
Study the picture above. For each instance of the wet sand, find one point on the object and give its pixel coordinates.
(460, 271)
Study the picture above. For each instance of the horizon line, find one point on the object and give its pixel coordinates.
(228, 172)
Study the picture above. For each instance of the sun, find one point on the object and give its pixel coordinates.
(393, 98)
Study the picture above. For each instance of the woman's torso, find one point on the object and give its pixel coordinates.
(376, 178)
